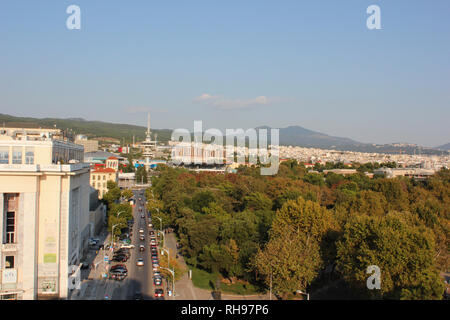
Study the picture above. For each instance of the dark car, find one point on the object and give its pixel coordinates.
(122, 253)
(120, 258)
(159, 293)
(118, 272)
(138, 296)
(118, 275)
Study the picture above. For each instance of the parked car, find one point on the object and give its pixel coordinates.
(120, 258)
(138, 296)
(118, 275)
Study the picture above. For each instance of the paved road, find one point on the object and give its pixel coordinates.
(139, 278)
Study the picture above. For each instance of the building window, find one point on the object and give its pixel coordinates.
(17, 155)
(10, 227)
(93, 177)
(11, 206)
(104, 177)
(9, 262)
(4, 155)
(99, 185)
(104, 184)
(29, 155)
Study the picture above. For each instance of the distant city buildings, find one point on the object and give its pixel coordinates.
(312, 155)
(44, 208)
(89, 145)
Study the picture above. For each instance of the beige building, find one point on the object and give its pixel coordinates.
(44, 223)
(100, 176)
(89, 145)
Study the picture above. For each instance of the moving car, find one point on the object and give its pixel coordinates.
(157, 280)
(141, 230)
(141, 247)
(138, 296)
(142, 237)
(159, 293)
(140, 262)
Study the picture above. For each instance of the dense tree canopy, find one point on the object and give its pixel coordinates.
(289, 228)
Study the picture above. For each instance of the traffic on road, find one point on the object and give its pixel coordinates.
(136, 257)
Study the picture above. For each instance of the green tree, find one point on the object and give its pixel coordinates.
(404, 252)
(293, 256)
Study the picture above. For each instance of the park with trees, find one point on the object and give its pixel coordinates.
(309, 232)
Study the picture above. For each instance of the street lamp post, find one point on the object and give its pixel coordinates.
(160, 221)
(172, 271)
(164, 237)
(168, 256)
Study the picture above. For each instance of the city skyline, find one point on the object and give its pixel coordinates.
(234, 65)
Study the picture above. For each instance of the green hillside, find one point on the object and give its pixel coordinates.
(92, 129)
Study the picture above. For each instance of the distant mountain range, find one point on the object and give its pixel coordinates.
(444, 147)
(293, 135)
(92, 129)
(299, 136)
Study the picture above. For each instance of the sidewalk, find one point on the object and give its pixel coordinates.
(185, 289)
(93, 286)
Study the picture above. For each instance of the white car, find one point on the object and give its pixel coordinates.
(150, 225)
(141, 230)
(153, 242)
(140, 262)
(128, 246)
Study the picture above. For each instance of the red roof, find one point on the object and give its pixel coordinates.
(104, 170)
(113, 158)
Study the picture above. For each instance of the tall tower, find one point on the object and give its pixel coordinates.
(149, 145)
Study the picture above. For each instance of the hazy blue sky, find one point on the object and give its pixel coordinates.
(234, 64)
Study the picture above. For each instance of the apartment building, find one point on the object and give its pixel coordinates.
(44, 215)
(100, 176)
(89, 145)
